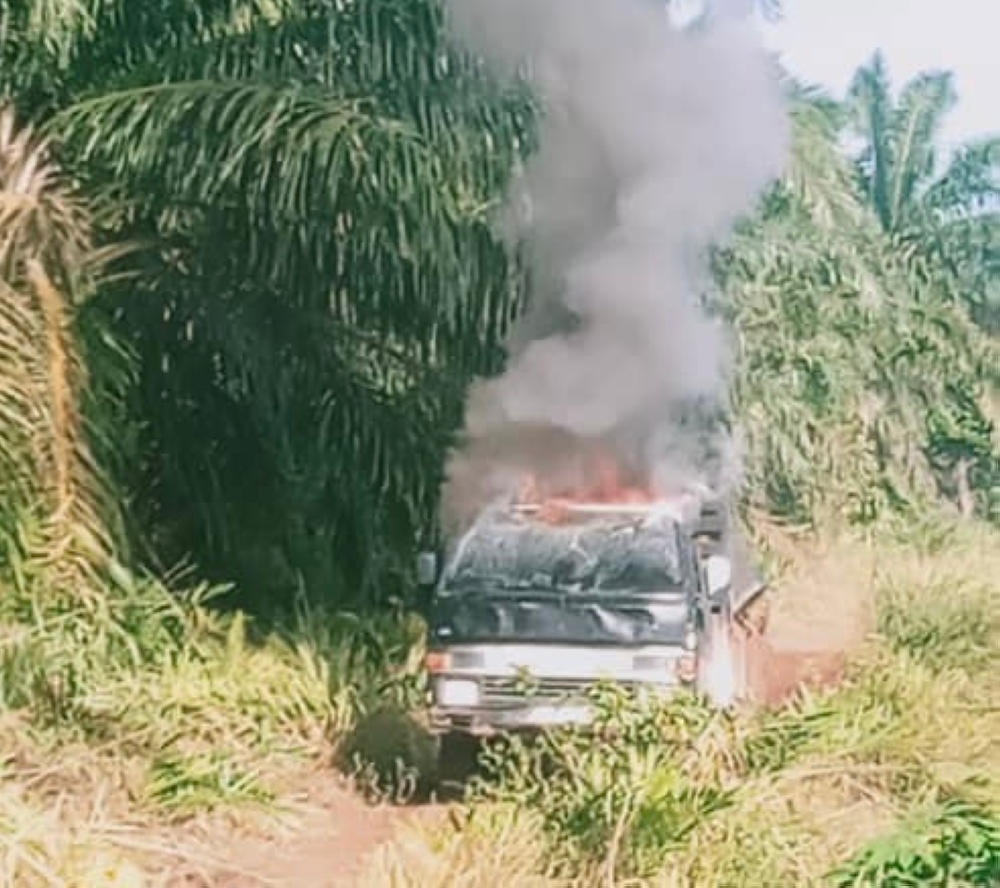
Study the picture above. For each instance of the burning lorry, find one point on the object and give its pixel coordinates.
(534, 604)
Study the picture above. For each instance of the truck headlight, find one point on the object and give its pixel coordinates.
(457, 692)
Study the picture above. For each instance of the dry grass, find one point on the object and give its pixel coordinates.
(496, 849)
(58, 497)
(90, 834)
(103, 813)
(152, 757)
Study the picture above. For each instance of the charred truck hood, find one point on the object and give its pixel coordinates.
(618, 580)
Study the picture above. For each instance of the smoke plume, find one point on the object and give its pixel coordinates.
(653, 142)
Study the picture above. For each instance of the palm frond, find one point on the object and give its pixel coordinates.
(819, 173)
(38, 219)
(923, 104)
(52, 485)
(316, 189)
(315, 183)
(305, 172)
(970, 183)
(867, 422)
(869, 103)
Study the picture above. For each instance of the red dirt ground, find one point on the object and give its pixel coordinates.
(326, 849)
(777, 674)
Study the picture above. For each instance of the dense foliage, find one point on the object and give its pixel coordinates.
(313, 278)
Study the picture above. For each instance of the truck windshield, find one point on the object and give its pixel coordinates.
(510, 552)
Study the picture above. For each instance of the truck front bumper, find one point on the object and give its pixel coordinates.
(487, 721)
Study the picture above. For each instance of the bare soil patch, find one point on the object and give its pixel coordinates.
(776, 675)
(322, 844)
(328, 847)
(801, 635)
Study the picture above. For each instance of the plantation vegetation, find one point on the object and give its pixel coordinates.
(247, 272)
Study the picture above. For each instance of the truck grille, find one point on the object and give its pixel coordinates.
(514, 692)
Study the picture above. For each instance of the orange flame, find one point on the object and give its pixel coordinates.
(605, 483)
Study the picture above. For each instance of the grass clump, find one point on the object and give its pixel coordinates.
(492, 847)
(942, 603)
(39, 849)
(186, 785)
(625, 796)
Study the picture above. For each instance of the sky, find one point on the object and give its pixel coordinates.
(824, 41)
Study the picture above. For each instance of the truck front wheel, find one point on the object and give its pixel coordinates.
(458, 756)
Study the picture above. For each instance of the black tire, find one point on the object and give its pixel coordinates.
(458, 756)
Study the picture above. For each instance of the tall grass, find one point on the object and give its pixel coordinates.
(158, 711)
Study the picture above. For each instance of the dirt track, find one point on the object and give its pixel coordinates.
(801, 637)
(332, 841)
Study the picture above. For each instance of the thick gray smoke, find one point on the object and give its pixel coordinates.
(653, 143)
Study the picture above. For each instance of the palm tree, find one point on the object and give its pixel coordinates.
(311, 186)
(314, 183)
(884, 387)
(952, 208)
(56, 502)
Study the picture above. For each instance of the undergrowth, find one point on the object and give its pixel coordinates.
(156, 712)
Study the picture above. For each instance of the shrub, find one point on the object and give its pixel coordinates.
(954, 844)
(623, 796)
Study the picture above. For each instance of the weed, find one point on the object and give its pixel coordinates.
(624, 795)
(170, 712)
(183, 786)
(945, 622)
(491, 847)
(953, 843)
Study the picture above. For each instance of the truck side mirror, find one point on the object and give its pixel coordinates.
(427, 569)
(718, 576)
